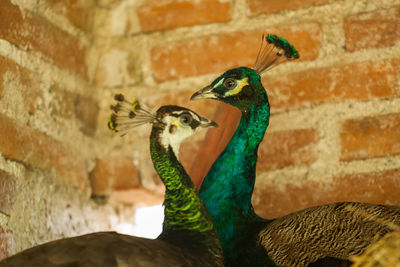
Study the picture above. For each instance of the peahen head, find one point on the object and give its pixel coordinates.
(171, 124)
(174, 124)
(241, 87)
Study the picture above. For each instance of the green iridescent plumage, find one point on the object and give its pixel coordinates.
(184, 209)
(290, 51)
(294, 240)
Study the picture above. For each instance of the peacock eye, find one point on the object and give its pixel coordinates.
(230, 83)
(185, 119)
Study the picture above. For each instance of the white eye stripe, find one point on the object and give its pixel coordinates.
(194, 115)
(219, 83)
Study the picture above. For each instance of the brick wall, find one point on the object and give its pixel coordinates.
(334, 132)
(48, 124)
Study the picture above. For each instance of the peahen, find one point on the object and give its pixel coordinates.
(189, 237)
(326, 234)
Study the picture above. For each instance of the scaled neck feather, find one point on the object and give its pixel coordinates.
(234, 169)
(184, 209)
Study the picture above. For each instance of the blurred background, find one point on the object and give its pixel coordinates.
(334, 133)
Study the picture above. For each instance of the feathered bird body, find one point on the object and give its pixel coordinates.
(186, 217)
(229, 184)
(335, 230)
(105, 249)
(189, 237)
(299, 239)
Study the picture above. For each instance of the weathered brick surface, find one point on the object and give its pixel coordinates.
(71, 106)
(86, 111)
(37, 149)
(137, 196)
(169, 14)
(373, 29)
(272, 6)
(287, 148)
(114, 173)
(370, 137)
(3, 244)
(218, 53)
(378, 188)
(358, 81)
(63, 102)
(35, 33)
(8, 192)
(30, 84)
(79, 13)
(117, 68)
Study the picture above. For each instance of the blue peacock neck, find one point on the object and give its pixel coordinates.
(228, 186)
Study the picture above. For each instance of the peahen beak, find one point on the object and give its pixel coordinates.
(206, 123)
(206, 92)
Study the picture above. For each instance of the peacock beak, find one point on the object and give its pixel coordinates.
(204, 93)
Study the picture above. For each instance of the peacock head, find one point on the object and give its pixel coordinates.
(242, 86)
(171, 124)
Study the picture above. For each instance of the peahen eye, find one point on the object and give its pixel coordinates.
(185, 119)
(230, 83)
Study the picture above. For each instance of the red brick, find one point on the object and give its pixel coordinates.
(358, 81)
(87, 111)
(31, 86)
(70, 105)
(373, 29)
(287, 148)
(169, 14)
(114, 173)
(8, 192)
(35, 33)
(79, 13)
(370, 137)
(272, 6)
(37, 149)
(377, 188)
(218, 53)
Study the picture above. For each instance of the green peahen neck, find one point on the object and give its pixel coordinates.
(185, 212)
(228, 186)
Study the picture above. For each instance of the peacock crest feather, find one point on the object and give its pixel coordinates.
(273, 51)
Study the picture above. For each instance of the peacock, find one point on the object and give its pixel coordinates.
(327, 234)
(189, 237)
